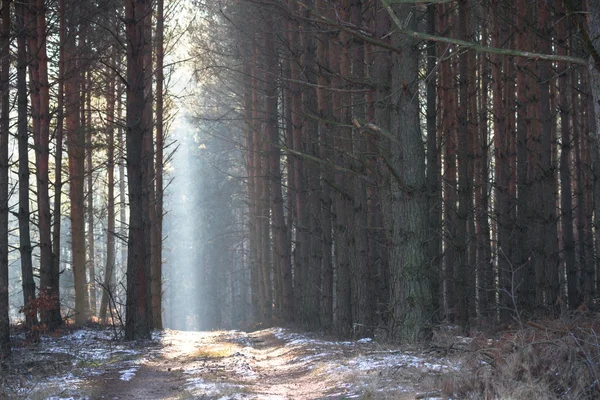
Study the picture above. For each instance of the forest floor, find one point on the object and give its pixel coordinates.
(272, 363)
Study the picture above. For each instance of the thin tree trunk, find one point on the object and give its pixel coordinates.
(158, 220)
(362, 277)
(565, 168)
(40, 107)
(25, 248)
(547, 273)
(326, 153)
(76, 151)
(312, 286)
(5, 350)
(281, 248)
(58, 181)
(91, 240)
(339, 62)
(485, 273)
(434, 247)
(108, 287)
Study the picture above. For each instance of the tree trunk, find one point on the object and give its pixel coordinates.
(410, 298)
(137, 323)
(434, 189)
(58, 157)
(312, 182)
(25, 248)
(109, 271)
(281, 247)
(86, 114)
(40, 110)
(362, 277)
(326, 153)
(148, 163)
(5, 351)
(76, 151)
(158, 206)
(339, 62)
(566, 200)
(485, 273)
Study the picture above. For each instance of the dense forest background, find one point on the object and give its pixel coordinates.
(347, 166)
(396, 165)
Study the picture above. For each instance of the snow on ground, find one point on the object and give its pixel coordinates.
(271, 364)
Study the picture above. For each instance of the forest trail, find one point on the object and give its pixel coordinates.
(269, 364)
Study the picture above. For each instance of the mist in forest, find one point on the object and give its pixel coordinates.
(182, 256)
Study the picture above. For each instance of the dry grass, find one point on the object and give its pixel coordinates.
(218, 350)
(544, 360)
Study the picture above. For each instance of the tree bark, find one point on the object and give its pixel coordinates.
(109, 271)
(58, 157)
(86, 113)
(410, 299)
(158, 220)
(5, 351)
(137, 323)
(76, 151)
(25, 248)
(41, 115)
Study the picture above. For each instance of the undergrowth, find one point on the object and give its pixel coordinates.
(557, 359)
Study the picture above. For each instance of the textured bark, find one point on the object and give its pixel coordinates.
(326, 153)
(109, 270)
(263, 186)
(448, 125)
(290, 164)
(5, 350)
(339, 62)
(593, 22)
(40, 109)
(250, 156)
(463, 271)
(137, 323)
(485, 274)
(58, 157)
(566, 201)
(547, 280)
(588, 176)
(362, 277)
(410, 298)
(159, 194)
(434, 189)
(123, 227)
(76, 151)
(382, 115)
(302, 243)
(25, 248)
(522, 267)
(148, 209)
(312, 296)
(89, 149)
(282, 266)
(502, 171)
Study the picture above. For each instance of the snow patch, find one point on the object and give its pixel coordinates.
(127, 374)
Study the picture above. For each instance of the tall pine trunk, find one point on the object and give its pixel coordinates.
(25, 248)
(137, 323)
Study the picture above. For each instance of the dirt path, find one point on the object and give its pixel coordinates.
(269, 364)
